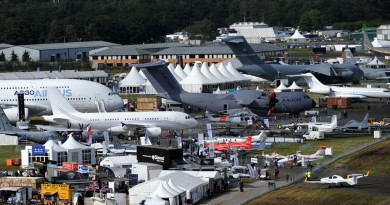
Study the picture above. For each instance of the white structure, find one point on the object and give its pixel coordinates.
(295, 88)
(196, 82)
(119, 161)
(70, 151)
(296, 38)
(376, 63)
(254, 32)
(383, 35)
(281, 88)
(132, 83)
(179, 71)
(229, 83)
(149, 89)
(376, 43)
(177, 77)
(173, 186)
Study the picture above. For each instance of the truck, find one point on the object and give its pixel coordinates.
(313, 135)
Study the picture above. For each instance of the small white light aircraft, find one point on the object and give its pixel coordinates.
(351, 179)
(347, 92)
(115, 122)
(317, 126)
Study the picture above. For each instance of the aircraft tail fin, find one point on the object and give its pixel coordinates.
(59, 104)
(365, 119)
(320, 151)
(248, 141)
(367, 174)
(366, 41)
(243, 51)
(333, 122)
(348, 57)
(161, 77)
(5, 124)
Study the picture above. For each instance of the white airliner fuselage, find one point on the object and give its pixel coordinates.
(115, 122)
(83, 95)
(349, 92)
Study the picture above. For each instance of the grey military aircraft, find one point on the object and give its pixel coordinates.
(259, 102)
(355, 125)
(37, 137)
(252, 64)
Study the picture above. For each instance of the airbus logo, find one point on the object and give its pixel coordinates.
(42, 93)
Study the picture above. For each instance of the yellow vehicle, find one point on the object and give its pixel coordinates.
(385, 121)
(60, 194)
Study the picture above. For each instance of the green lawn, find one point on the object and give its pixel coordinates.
(9, 152)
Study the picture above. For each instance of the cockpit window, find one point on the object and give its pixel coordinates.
(187, 117)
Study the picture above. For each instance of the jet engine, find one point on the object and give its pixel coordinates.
(347, 74)
(13, 114)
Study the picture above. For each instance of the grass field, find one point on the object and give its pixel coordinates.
(9, 152)
(374, 158)
(338, 145)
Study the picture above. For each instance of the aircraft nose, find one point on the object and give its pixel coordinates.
(117, 102)
(194, 123)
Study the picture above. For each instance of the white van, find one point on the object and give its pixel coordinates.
(312, 112)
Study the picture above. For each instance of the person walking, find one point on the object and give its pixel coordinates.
(241, 186)
(276, 171)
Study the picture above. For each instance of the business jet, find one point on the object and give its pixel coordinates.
(255, 138)
(121, 123)
(347, 92)
(83, 95)
(319, 154)
(351, 179)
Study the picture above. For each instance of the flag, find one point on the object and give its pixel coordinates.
(90, 140)
(89, 131)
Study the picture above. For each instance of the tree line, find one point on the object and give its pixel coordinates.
(136, 21)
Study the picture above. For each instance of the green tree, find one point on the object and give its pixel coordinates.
(14, 57)
(204, 30)
(26, 56)
(2, 57)
(311, 20)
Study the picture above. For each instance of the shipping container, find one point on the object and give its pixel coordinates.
(146, 104)
(9, 162)
(339, 102)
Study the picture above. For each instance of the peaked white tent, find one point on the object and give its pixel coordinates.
(195, 82)
(206, 72)
(149, 89)
(155, 200)
(132, 83)
(187, 68)
(296, 38)
(245, 82)
(296, 88)
(78, 152)
(281, 88)
(179, 71)
(376, 63)
(177, 77)
(376, 43)
(228, 83)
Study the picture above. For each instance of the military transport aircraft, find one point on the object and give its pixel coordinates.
(326, 73)
(259, 102)
(38, 137)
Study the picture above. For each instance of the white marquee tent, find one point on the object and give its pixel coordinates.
(195, 82)
(133, 82)
(296, 38)
(179, 71)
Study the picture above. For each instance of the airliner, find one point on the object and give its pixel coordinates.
(83, 95)
(120, 123)
(347, 92)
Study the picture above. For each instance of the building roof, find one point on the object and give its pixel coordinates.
(67, 74)
(215, 49)
(121, 50)
(81, 44)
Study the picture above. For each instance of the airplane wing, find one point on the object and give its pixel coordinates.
(345, 95)
(55, 128)
(324, 69)
(316, 182)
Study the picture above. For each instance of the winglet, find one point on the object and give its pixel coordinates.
(305, 180)
(368, 173)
